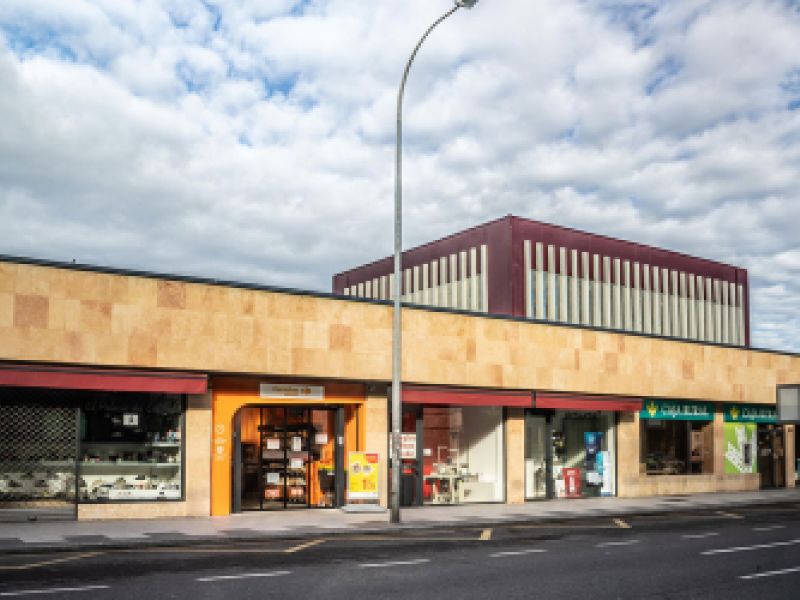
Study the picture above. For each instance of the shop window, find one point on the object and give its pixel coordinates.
(131, 448)
(677, 447)
(463, 455)
(584, 456)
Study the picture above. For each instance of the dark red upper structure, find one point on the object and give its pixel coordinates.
(504, 240)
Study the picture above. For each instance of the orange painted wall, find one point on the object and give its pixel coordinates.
(230, 394)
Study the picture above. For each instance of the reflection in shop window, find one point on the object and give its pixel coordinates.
(463, 455)
(677, 447)
(584, 456)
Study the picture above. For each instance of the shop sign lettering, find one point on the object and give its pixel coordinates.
(677, 410)
(750, 413)
(284, 391)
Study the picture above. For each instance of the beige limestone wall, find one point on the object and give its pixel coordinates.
(628, 452)
(198, 455)
(197, 492)
(719, 442)
(72, 316)
(789, 433)
(376, 411)
(515, 455)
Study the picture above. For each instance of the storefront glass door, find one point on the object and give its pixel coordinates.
(771, 460)
(287, 458)
(584, 454)
(536, 471)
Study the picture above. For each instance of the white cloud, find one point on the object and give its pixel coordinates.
(255, 140)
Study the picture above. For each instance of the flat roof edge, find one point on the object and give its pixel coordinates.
(4, 258)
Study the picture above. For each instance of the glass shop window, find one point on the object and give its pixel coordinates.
(131, 448)
(463, 455)
(677, 447)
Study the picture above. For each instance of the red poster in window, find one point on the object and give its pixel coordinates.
(572, 482)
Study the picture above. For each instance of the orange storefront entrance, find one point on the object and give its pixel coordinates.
(263, 429)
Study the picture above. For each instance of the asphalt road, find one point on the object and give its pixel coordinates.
(744, 553)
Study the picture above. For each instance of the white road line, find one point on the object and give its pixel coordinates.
(627, 543)
(242, 576)
(771, 573)
(698, 536)
(746, 548)
(394, 563)
(88, 588)
(516, 553)
(769, 528)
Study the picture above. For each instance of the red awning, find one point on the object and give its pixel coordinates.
(106, 380)
(578, 402)
(465, 397)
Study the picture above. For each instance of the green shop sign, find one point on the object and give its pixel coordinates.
(677, 410)
(750, 413)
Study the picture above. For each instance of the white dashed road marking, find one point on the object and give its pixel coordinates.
(771, 573)
(516, 553)
(698, 536)
(769, 528)
(62, 590)
(627, 543)
(242, 576)
(746, 548)
(394, 563)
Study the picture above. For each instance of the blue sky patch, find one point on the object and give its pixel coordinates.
(27, 41)
(635, 17)
(665, 72)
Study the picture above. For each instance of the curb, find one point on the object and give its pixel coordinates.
(366, 530)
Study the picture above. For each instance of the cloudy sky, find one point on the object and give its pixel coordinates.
(253, 139)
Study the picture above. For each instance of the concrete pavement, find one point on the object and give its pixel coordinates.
(70, 535)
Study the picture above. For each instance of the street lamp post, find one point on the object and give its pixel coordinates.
(398, 287)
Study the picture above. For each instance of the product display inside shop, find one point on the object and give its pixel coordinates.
(131, 449)
(462, 455)
(584, 456)
(38, 446)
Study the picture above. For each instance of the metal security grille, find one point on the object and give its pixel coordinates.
(38, 456)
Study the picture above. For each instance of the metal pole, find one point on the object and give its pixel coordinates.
(397, 342)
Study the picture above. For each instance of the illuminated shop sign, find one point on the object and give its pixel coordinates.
(677, 410)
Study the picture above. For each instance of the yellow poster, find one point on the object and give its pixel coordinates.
(362, 480)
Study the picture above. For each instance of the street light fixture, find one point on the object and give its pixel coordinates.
(398, 288)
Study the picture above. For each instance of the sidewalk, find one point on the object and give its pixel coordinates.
(70, 535)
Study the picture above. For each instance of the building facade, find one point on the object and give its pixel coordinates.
(127, 394)
(514, 266)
